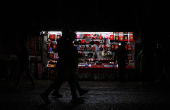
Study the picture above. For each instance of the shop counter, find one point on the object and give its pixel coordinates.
(100, 72)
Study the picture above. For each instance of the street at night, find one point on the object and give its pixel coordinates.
(102, 96)
(119, 50)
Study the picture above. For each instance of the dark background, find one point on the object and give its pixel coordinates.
(149, 16)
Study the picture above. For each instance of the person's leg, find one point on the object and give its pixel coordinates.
(55, 85)
(28, 72)
(52, 86)
(165, 71)
(81, 91)
(120, 71)
(72, 83)
(19, 77)
(56, 90)
(123, 71)
(77, 83)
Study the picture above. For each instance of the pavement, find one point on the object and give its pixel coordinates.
(103, 95)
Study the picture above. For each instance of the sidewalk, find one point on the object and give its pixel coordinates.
(25, 83)
(103, 95)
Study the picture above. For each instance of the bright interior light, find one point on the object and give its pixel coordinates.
(54, 32)
(79, 32)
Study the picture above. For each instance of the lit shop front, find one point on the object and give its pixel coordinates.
(96, 54)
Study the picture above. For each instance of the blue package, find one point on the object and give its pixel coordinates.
(50, 49)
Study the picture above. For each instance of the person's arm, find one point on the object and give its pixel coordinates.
(139, 55)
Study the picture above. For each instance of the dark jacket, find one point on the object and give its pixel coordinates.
(121, 54)
(65, 53)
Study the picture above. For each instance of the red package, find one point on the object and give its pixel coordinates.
(120, 37)
(93, 48)
(105, 47)
(51, 55)
(111, 38)
(83, 41)
(85, 36)
(100, 37)
(58, 36)
(129, 47)
(131, 38)
(112, 47)
(116, 46)
(54, 46)
(116, 38)
(125, 37)
(52, 36)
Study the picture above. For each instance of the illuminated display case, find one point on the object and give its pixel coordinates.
(103, 44)
(95, 49)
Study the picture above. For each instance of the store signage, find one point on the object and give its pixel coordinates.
(54, 46)
(116, 38)
(112, 47)
(52, 36)
(111, 38)
(116, 46)
(125, 37)
(58, 36)
(120, 37)
(131, 38)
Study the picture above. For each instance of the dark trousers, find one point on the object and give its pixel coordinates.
(77, 85)
(25, 69)
(63, 75)
(121, 69)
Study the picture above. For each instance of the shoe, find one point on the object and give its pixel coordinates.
(57, 95)
(45, 98)
(82, 92)
(77, 101)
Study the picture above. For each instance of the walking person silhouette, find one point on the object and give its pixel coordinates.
(65, 67)
(81, 91)
(24, 64)
(122, 57)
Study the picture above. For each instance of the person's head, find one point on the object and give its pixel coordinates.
(66, 32)
(72, 36)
